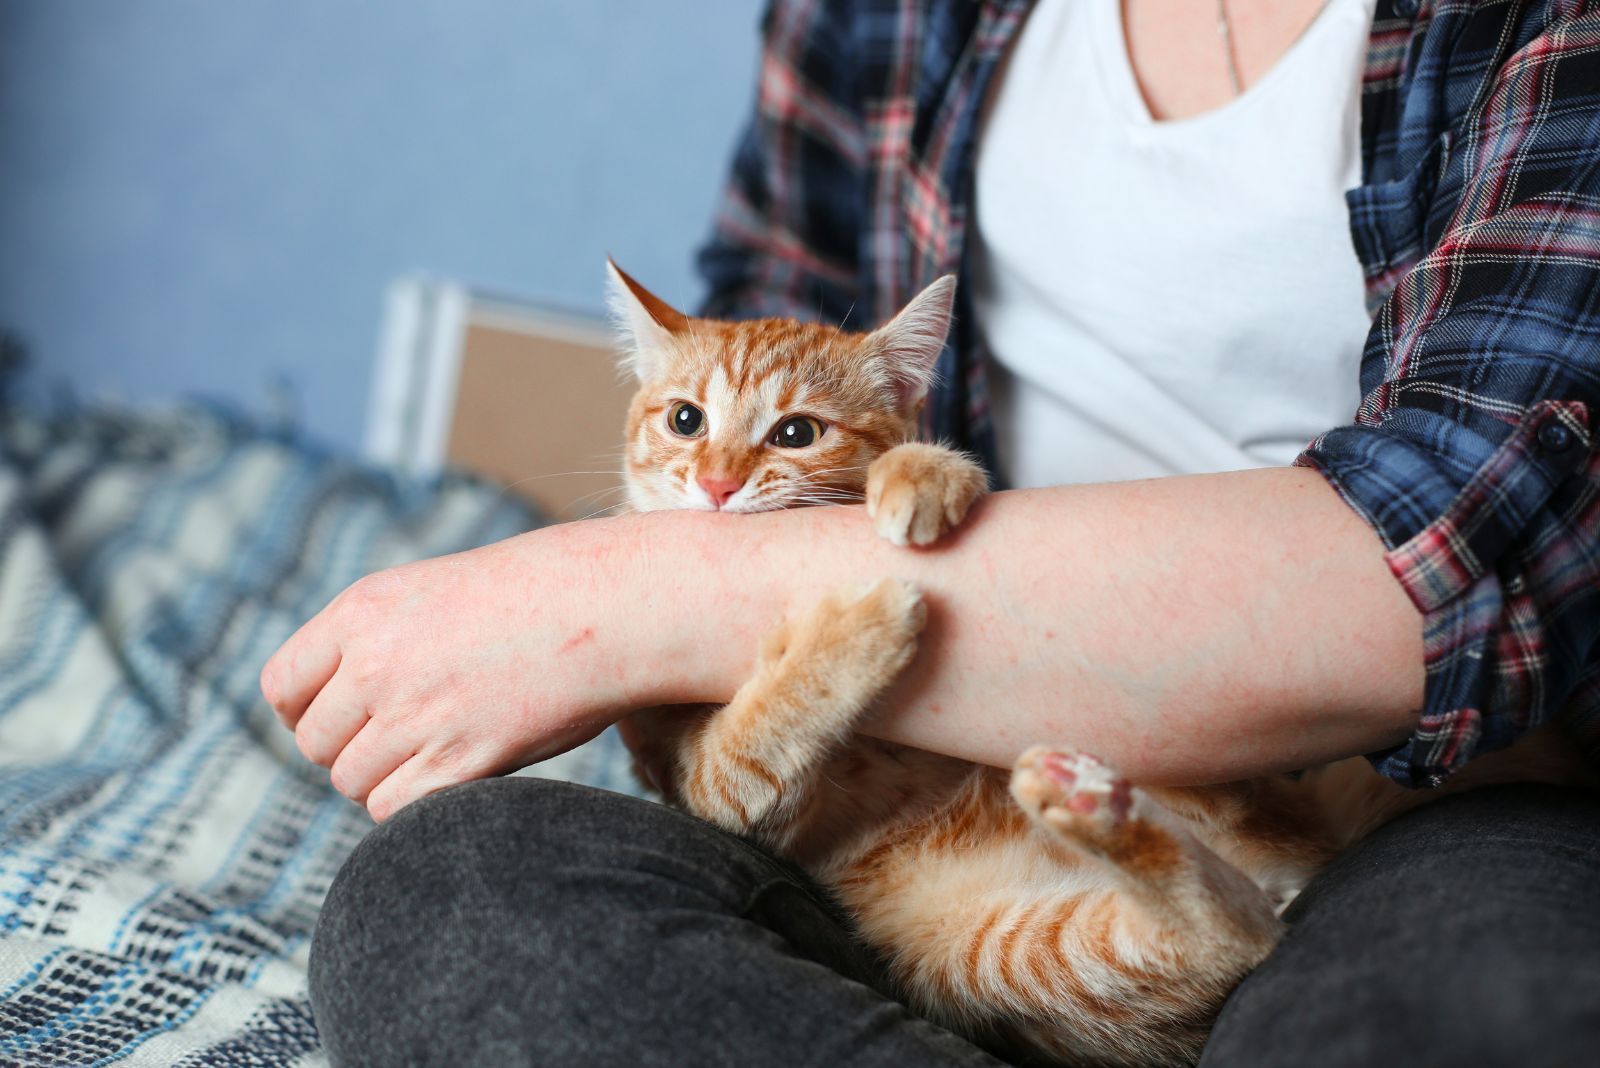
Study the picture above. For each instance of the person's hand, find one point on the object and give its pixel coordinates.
(466, 666)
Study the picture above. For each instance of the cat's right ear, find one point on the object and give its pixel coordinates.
(645, 323)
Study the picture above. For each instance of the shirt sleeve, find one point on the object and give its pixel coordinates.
(1472, 455)
(785, 237)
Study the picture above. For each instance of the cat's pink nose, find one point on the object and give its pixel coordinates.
(719, 489)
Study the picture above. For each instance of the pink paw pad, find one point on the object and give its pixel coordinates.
(1092, 789)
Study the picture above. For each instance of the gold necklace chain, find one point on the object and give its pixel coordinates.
(1225, 31)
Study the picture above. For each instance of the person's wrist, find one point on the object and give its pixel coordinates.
(692, 577)
(645, 591)
(690, 593)
(565, 594)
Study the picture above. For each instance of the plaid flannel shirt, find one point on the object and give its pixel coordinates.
(1478, 224)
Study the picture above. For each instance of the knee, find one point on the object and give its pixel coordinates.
(482, 880)
(468, 839)
(1461, 926)
(1465, 860)
(463, 820)
(507, 845)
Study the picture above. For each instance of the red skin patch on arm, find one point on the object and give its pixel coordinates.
(585, 635)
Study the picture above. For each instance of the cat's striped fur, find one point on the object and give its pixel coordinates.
(1054, 912)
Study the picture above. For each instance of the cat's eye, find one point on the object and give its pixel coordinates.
(685, 420)
(797, 432)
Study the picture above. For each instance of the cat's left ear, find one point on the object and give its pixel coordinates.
(910, 343)
(645, 322)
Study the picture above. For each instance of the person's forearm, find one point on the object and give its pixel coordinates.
(1185, 629)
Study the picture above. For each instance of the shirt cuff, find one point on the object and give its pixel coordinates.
(1454, 511)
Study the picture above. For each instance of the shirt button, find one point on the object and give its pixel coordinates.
(1406, 8)
(1435, 781)
(1553, 437)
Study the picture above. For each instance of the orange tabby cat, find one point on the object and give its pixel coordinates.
(1054, 911)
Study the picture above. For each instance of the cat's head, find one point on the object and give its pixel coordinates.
(771, 413)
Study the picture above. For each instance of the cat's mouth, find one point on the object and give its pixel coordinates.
(803, 500)
(647, 498)
(738, 507)
(748, 507)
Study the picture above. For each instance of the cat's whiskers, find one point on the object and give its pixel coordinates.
(807, 488)
(619, 473)
(595, 496)
(829, 488)
(855, 471)
(814, 502)
(618, 487)
(601, 511)
(823, 472)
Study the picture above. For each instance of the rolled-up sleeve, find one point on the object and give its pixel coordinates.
(786, 236)
(1473, 455)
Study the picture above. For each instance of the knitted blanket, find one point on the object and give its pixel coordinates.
(163, 847)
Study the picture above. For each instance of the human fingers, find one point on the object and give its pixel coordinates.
(368, 759)
(294, 675)
(416, 778)
(332, 720)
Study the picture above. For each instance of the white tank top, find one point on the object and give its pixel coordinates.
(1167, 297)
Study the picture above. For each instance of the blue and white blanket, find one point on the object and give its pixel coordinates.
(163, 847)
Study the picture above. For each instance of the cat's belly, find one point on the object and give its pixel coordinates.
(996, 929)
(875, 796)
(948, 822)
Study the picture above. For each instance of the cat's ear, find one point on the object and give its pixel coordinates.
(645, 323)
(910, 343)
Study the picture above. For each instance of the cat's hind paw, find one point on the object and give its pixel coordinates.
(1085, 806)
(916, 493)
(1079, 798)
(852, 643)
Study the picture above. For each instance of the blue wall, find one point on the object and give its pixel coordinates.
(202, 197)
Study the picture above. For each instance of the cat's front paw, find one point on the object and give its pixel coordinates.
(917, 492)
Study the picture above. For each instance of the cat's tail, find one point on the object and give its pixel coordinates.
(1356, 800)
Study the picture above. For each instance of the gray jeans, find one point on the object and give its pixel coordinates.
(525, 922)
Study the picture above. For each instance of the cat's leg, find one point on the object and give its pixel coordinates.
(1147, 967)
(1185, 886)
(917, 492)
(756, 759)
(655, 736)
(1000, 931)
